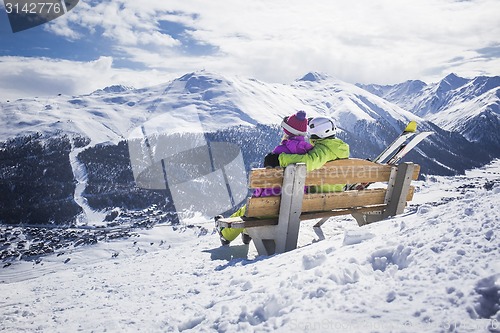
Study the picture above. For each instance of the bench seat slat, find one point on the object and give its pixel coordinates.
(349, 171)
(317, 202)
(249, 222)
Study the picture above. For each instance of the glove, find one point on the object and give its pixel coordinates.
(271, 160)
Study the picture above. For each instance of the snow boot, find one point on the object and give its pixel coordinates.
(245, 238)
(223, 241)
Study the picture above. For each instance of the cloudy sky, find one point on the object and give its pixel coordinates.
(142, 43)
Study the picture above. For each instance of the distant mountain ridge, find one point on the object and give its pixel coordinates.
(470, 107)
(95, 130)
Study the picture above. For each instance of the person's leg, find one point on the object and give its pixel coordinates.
(230, 234)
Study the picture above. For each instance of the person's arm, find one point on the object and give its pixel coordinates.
(314, 159)
(323, 152)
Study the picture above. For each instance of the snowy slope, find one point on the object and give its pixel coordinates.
(111, 114)
(434, 269)
(220, 101)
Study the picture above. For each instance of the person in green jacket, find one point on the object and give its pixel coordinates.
(326, 148)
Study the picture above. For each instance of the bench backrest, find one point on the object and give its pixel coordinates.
(347, 171)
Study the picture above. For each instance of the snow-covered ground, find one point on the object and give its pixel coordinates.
(435, 268)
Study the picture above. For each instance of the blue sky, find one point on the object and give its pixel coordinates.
(37, 42)
(141, 43)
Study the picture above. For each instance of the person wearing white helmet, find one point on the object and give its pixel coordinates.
(321, 128)
(327, 147)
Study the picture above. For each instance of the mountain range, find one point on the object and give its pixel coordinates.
(470, 107)
(66, 159)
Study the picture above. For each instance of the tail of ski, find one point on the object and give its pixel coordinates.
(408, 146)
(393, 147)
(408, 132)
(411, 127)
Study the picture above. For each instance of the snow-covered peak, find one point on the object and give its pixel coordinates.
(412, 86)
(113, 89)
(483, 84)
(451, 82)
(349, 105)
(201, 81)
(217, 101)
(467, 106)
(314, 77)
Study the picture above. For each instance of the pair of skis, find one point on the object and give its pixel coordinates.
(405, 142)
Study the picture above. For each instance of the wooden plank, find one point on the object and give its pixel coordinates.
(411, 191)
(318, 202)
(264, 206)
(356, 162)
(250, 222)
(361, 172)
(265, 178)
(246, 222)
(339, 212)
(335, 172)
(416, 171)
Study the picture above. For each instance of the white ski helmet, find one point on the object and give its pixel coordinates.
(321, 127)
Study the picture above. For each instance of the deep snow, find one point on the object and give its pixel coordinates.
(435, 268)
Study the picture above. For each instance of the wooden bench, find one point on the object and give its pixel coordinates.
(273, 222)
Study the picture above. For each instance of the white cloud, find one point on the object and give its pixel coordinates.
(358, 41)
(121, 21)
(382, 41)
(29, 77)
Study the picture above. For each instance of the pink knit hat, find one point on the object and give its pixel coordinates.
(296, 124)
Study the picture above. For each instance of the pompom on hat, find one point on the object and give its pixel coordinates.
(295, 124)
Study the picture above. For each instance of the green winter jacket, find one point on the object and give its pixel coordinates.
(324, 150)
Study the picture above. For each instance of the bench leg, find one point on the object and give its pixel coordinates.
(321, 222)
(265, 239)
(397, 190)
(291, 207)
(319, 232)
(396, 202)
(283, 237)
(367, 218)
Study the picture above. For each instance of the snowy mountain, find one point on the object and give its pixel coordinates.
(68, 156)
(433, 269)
(79, 239)
(470, 107)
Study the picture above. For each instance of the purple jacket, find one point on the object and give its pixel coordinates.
(293, 145)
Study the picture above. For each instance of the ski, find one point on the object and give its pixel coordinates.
(394, 146)
(405, 142)
(408, 132)
(404, 149)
